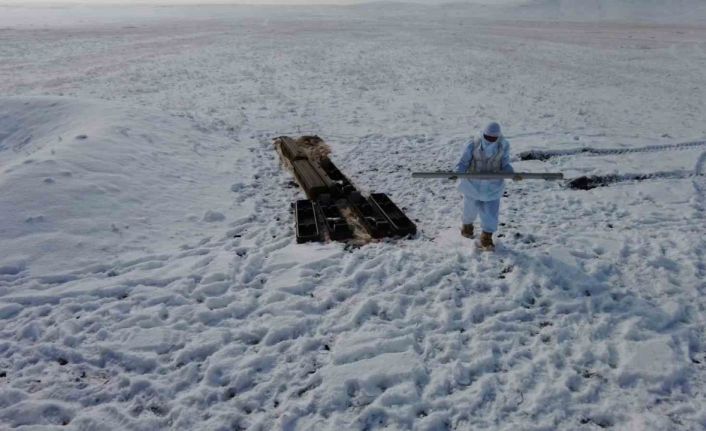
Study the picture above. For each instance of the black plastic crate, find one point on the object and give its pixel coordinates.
(336, 224)
(374, 221)
(307, 226)
(401, 224)
(344, 185)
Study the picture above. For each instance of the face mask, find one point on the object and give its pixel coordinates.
(490, 139)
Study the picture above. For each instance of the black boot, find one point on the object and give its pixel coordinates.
(486, 241)
(467, 230)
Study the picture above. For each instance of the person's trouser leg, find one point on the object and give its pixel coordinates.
(489, 215)
(470, 210)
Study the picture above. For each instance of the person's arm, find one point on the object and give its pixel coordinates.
(505, 165)
(465, 162)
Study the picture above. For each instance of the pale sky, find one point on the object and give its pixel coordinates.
(167, 2)
(161, 2)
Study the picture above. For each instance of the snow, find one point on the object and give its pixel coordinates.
(80, 180)
(663, 11)
(149, 275)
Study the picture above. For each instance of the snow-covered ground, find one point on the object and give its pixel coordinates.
(149, 276)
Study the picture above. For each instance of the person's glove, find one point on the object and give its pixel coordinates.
(517, 178)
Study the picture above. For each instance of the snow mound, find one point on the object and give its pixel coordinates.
(86, 181)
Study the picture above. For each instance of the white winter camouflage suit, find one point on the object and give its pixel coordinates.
(483, 196)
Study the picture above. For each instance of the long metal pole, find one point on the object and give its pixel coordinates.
(491, 176)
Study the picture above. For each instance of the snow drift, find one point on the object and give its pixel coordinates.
(87, 182)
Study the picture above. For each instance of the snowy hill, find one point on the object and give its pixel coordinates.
(149, 274)
(87, 183)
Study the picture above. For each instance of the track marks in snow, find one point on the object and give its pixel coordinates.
(250, 328)
(247, 330)
(491, 330)
(185, 306)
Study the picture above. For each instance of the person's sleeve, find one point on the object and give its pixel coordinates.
(505, 165)
(465, 162)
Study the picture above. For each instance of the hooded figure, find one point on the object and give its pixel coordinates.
(489, 152)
